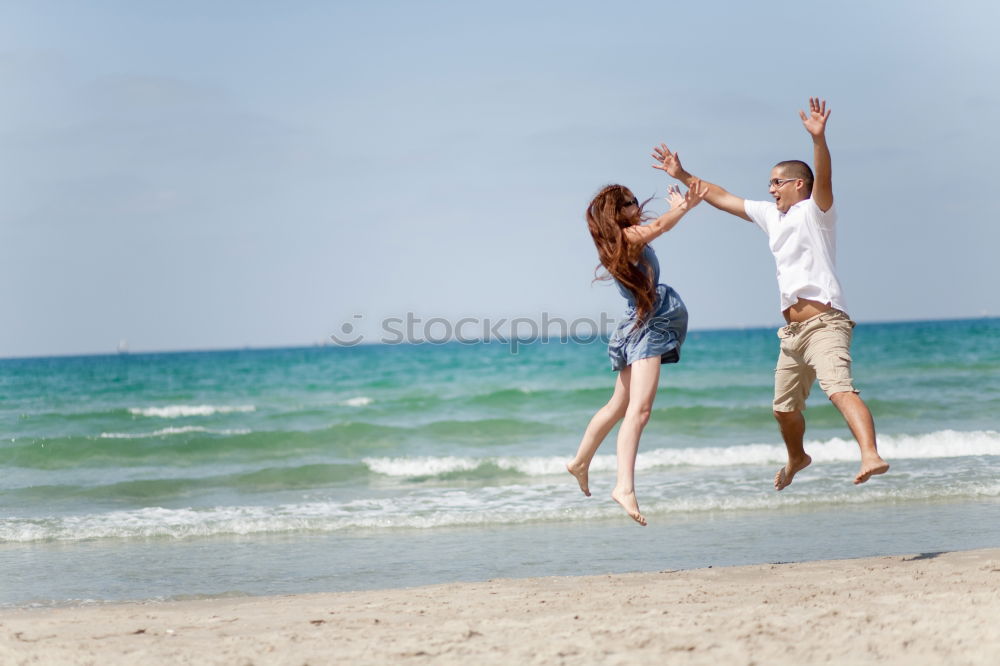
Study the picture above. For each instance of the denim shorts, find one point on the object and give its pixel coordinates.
(661, 335)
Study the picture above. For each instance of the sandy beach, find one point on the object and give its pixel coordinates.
(930, 608)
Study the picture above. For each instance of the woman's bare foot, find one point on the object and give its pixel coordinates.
(630, 504)
(784, 477)
(871, 467)
(581, 474)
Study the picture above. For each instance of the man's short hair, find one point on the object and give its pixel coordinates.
(797, 169)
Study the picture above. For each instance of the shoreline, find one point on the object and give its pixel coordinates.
(922, 608)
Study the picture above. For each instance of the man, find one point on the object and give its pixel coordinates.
(800, 226)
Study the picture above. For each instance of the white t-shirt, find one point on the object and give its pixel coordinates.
(804, 244)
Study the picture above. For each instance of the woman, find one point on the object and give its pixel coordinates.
(651, 333)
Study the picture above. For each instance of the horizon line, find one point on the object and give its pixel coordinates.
(326, 344)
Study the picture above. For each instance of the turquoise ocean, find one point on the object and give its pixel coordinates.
(251, 472)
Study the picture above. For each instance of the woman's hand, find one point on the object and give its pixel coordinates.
(694, 196)
(674, 197)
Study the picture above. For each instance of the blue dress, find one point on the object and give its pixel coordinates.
(663, 332)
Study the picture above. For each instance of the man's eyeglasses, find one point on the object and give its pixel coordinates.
(778, 182)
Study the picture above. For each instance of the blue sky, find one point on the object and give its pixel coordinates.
(193, 175)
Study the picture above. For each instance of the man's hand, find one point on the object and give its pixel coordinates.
(698, 190)
(696, 193)
(815, 122)
(668, 161)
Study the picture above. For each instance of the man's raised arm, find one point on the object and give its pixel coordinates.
(815, 124)
(716, 196)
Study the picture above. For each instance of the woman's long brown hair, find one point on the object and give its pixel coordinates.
(607, 221)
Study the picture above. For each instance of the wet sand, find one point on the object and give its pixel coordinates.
(932, 608)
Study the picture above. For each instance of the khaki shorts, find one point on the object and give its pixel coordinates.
(817, 348)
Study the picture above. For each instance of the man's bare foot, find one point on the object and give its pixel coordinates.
(581, 474)
(784, 477)
(871, 467)
(630, 504)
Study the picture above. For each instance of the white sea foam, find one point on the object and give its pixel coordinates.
(872, 494)
(423, 466)
(943, 444)
(172, 431)
(509, 505)
(359, 401)
(176, 411)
